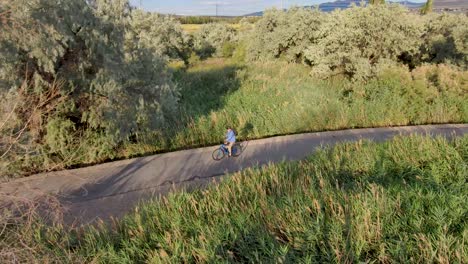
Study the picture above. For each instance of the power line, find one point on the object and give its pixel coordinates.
(214, 7)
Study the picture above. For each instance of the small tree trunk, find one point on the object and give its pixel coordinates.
(427, 8)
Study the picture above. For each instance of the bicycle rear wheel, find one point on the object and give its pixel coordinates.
(218, 154)
(236, 150)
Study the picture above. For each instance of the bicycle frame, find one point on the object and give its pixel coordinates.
(224, 148)
(226, 151)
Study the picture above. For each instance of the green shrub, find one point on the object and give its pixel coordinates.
(240, 52)
(60, 136)
(194, 59)
(228, 49)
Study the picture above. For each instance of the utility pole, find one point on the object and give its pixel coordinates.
(284, 6)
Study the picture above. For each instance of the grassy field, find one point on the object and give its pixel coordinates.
(192, 28)
(265, 99)
(403, 201)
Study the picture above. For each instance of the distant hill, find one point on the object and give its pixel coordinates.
(343, 4)
(451, 4)
(340, 4)
(326, 7)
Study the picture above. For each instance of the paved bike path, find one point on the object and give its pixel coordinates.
(114, 188)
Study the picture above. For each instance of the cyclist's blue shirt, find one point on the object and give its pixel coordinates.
(230, 136)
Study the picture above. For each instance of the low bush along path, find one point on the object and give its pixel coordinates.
(114, 188)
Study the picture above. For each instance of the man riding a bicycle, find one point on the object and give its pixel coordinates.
(230, 139)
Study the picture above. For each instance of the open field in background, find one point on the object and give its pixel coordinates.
(265, 99)
(192, 28)
(403, 201)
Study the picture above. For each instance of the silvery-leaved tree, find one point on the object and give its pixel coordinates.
(76, 84)
(445, 39)
(160, 34)
(286, 35)
(210, 38)
(358, 39)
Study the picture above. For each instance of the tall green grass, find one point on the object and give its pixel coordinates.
(403, 201)
(265, 99)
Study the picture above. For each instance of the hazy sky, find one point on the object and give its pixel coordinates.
(225, 7)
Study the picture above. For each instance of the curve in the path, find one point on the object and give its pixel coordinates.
(114, 188)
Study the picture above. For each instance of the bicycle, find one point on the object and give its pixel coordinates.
(222, 151)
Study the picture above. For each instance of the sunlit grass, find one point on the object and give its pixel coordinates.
(191, 28)
(266, 99)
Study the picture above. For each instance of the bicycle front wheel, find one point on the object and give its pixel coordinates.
(218, 154)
